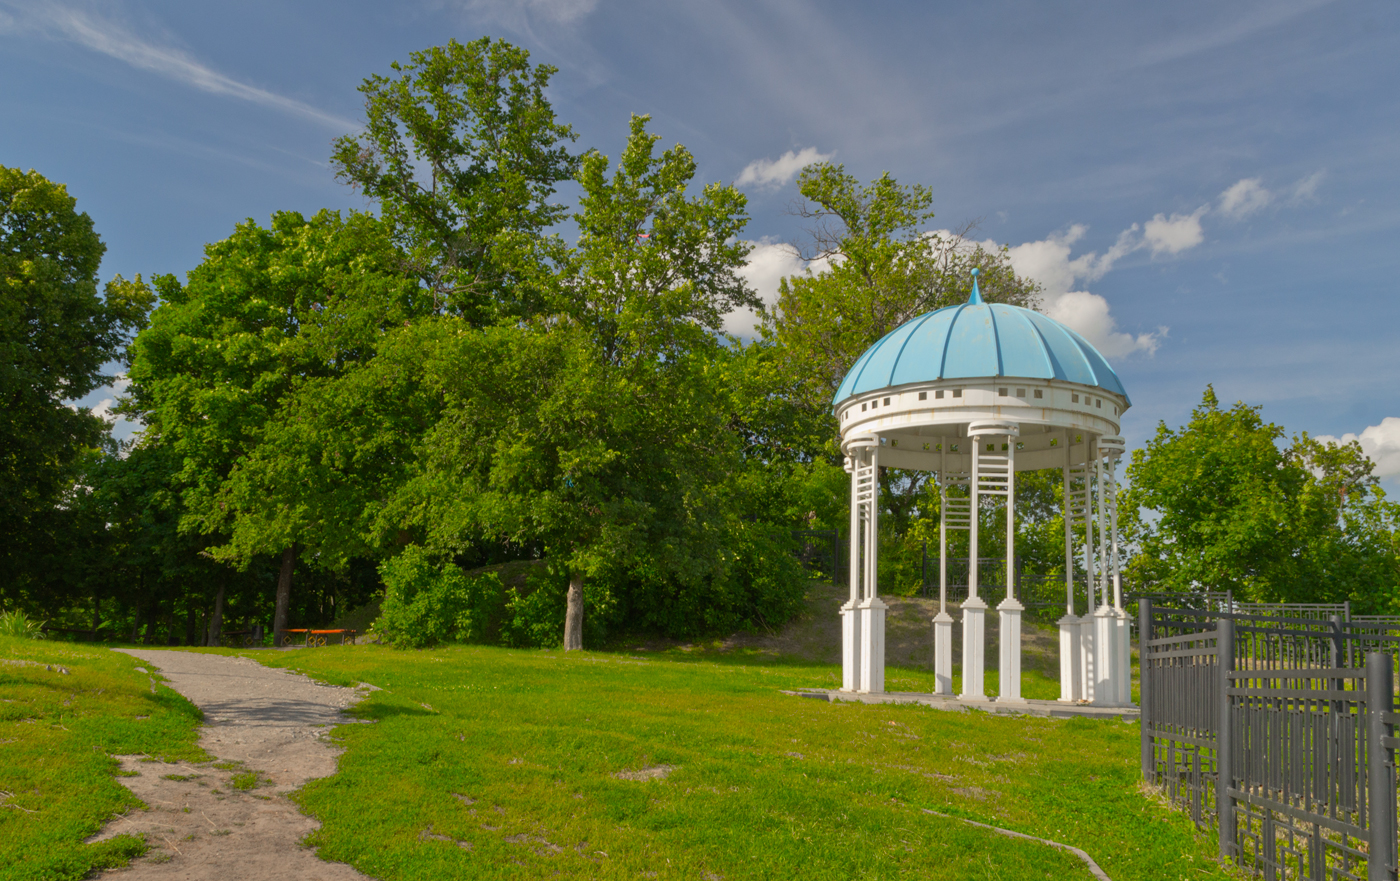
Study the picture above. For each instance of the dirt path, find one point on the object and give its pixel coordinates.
(258, 721)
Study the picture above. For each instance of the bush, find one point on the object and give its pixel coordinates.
(20, 626)
(534, 610)
(427, 602)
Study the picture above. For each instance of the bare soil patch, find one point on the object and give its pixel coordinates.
(231, 818)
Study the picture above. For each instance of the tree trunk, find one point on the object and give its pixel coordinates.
(284, 595)
(216, 620)
(573, 615)
(191, 624)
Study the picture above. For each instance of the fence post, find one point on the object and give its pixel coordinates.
(1224, 742)
(1149, 762)
(1380, 778)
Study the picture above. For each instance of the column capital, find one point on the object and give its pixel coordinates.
(993, 426)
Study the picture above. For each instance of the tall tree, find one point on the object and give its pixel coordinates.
(462, 153)
(56, 334)
(595, 432)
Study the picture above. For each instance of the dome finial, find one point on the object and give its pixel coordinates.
(976, 298)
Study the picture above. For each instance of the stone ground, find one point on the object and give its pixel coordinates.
(264, 727)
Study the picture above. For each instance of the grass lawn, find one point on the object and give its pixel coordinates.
(494, 763)
(58, 731)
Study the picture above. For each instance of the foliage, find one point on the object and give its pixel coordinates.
(1228, 507)
(428, 602)
(56, 333)
(462, 153)
(761, 783)
(17, 625)
(68, 709)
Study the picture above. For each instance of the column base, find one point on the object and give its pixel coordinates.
(1107, 673)
(1009, 653)
(850, 646)
(974, 611)
(1071, 676)
(943, 653)
(871, 614)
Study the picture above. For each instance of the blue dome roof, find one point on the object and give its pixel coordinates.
(978, 340)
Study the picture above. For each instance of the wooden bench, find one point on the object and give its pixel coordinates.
(315, 638)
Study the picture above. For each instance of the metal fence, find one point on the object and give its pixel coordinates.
(1276, 729)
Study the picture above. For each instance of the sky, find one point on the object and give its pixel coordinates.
(1209, 192)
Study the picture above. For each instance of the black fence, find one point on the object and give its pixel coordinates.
(1277, 731)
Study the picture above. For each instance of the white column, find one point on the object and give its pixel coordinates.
(1105, 617)
(974, 608)
(1088, 663)
(870, 611)
(850, 632)
(1070, 674)
(943, 622)
(1010, 609)
(1113, 448)
(857, 460)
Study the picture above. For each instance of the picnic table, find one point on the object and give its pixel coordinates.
(315, 638)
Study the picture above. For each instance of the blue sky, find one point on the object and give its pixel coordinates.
(1209, 191)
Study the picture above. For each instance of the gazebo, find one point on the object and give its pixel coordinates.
(976, 393)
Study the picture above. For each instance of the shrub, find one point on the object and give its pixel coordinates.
(20, 626)
(534, 611)
(427, 602)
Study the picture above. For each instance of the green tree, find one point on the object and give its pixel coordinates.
(56, 334)
(268, 313)
(1222, 504)
(462, 153)
(597, 433)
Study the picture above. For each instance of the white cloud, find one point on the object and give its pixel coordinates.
(1305, 190)
(1087, 314)
(1381, 443)
(111, 39)
(773, 173)
(1244, 198)
(1048, 262)
(1176, 233)
(769, 263)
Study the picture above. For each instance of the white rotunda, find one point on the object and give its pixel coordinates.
(976, 393)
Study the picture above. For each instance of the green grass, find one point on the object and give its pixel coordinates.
(493, 763)
(58, 732)
(248, 780)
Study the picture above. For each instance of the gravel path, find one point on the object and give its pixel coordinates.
(257, 720)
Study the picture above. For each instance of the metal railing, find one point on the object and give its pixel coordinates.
(1276, 729)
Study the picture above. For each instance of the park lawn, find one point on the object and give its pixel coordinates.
(58, 732)
(497, 763)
